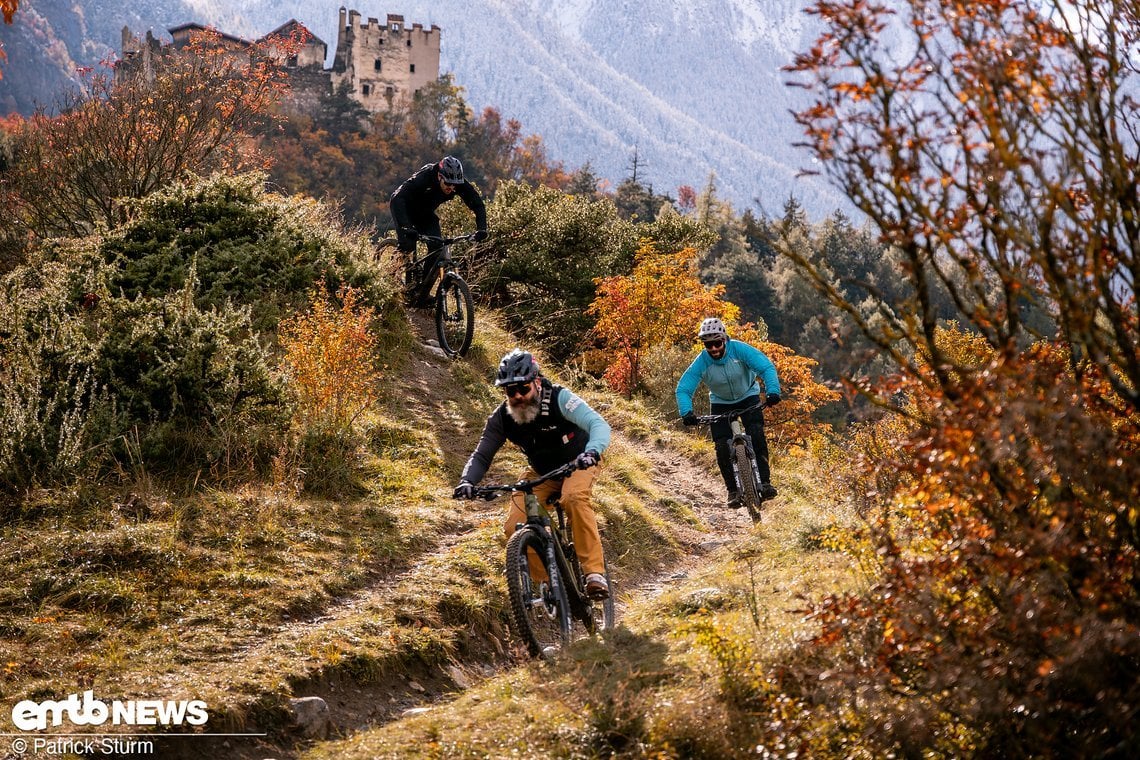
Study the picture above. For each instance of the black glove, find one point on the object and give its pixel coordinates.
(690, 419)
(587, 459)
(464, 490)
(480, 236)
(773, 399)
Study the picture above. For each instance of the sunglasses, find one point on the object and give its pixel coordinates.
(714, 343)
(518, 389)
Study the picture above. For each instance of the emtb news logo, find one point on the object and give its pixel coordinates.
(88, 711)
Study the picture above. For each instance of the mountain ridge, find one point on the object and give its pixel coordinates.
(695, 90)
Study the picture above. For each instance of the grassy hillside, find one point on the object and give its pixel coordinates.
(248, 595)
(180, 524)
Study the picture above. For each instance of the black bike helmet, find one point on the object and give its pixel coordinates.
(517, 367)
(451, 171)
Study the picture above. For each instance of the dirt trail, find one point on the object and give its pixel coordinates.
(356, 707)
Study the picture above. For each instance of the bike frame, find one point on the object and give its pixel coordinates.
(558, 541)
(444, 266)
(555, 536)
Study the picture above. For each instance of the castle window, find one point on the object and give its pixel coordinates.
(409, 43)
(389, 92)
(413, 68)
(366, 89)
(395, 27)
(376, 65)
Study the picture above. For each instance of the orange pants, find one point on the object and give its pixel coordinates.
(574, 493)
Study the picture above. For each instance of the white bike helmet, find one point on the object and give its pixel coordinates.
(712, 328)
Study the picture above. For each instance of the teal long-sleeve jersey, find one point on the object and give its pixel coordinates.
(734, 377)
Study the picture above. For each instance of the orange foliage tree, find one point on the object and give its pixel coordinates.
(791, 423)
(1000, 160)
(657, 303)
(8, 8)
(132, 134)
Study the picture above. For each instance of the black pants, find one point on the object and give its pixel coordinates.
(722, 439)
(420, 278)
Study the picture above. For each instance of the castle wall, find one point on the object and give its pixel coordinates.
(384, 63)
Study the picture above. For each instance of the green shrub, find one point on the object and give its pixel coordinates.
(245, 245)
(86, 376)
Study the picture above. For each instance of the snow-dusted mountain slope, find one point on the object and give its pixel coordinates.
(694, 87)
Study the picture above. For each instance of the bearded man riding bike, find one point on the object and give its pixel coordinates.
(730, 369)
(552, 426)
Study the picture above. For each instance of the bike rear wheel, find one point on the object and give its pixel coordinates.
(540, 612)
(596, 615)
(454, 315)
(605, 614)
(749, 491)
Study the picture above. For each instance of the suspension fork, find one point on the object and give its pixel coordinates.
(539, 519)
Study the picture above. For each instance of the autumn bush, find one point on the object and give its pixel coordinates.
(1007, 595)
(658, 303)
(330, 361)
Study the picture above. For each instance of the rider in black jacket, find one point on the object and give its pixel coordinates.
(413, 208)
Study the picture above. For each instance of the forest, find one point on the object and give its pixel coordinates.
(192, 296)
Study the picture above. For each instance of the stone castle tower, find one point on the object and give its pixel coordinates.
(382, 64)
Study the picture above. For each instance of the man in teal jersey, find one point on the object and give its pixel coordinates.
(730, 369)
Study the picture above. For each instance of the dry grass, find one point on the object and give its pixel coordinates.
(654, 688)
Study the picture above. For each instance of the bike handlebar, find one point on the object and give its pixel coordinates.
(708, 419)
(490, 492)
(448, 240)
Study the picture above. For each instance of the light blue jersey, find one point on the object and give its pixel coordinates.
(730, 379)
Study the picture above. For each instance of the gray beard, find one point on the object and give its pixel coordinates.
(525, 413)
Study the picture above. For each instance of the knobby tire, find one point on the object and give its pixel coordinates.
(749, 491)
(540, 614)
(454, 315)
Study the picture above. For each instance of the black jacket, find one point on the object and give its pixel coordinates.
(420, 195)
(548, 442)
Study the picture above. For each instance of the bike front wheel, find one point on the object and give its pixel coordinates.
(540, 612)
(454, 315)
(749, 491)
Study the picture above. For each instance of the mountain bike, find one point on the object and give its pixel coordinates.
(454, 307)
(744, 466)
(543, 612)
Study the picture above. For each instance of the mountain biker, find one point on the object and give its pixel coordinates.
(730, 369)
(413, 206)
(553, 427)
